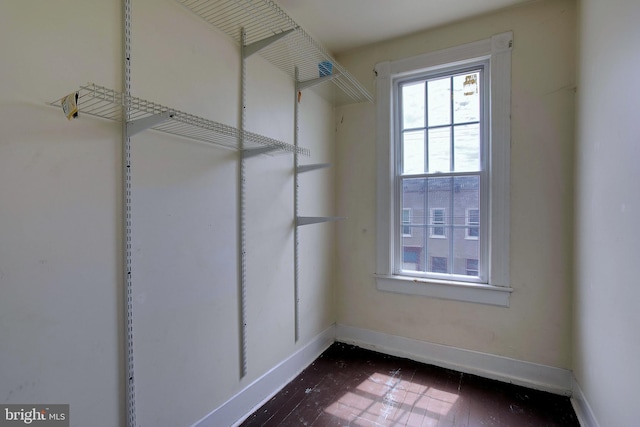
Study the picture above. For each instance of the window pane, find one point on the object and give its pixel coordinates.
(466, 202)
(413, 152)
(439, 220)
(440, 150)
(439, 102)
(466, 148)
(413, 105)
(413, 200)
(466, 98)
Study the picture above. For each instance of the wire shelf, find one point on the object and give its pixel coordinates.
(262, 19)
(107, 103)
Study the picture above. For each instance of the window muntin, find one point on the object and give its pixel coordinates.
(440, 122)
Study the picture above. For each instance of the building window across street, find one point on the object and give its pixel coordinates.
(406, 222)
(472, 231)
(437, 222)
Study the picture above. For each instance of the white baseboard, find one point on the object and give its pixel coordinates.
(243, 404)
(532, 375)
(582, 408)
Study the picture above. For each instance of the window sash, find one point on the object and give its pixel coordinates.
(438, 226)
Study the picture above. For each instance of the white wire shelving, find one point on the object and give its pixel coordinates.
(106, 103)
(281, 41)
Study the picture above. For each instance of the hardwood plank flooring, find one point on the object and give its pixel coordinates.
(351, 386)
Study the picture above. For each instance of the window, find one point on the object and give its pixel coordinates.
(443, 156)
(439, 264)
(437, 223)
(472, 267)
(411, 258)
(406, 222)
(472, 231)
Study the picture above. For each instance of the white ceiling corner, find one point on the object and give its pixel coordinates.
(342, 25)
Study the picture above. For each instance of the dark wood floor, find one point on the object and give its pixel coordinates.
(350, 386)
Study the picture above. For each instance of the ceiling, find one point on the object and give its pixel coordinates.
(341, 25)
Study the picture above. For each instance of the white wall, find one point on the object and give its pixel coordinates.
(537, 325)
(60, 227)
(607, 320)
(60, 260)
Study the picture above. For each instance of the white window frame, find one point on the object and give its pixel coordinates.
(496, 290)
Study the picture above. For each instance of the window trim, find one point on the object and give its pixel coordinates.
(497, 289)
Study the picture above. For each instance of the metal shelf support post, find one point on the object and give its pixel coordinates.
(296, 252)
(242, 214)
(127, 232)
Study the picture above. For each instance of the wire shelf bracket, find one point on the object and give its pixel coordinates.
(261, 44)
(257, 151)
(308, 220)
(314, 82)
(307, 168)
(139, 125)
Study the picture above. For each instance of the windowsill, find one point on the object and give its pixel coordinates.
(457, 291)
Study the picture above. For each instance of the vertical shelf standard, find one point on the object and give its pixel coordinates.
(126, 112)
(298, 169)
